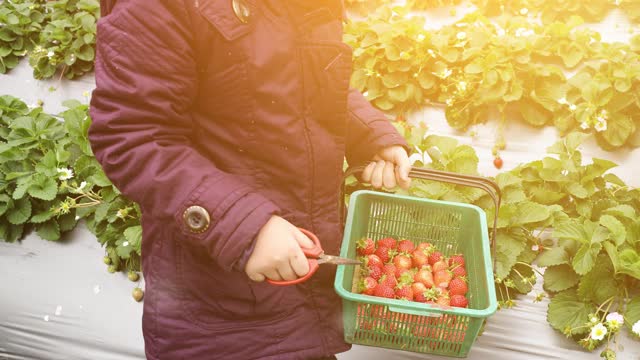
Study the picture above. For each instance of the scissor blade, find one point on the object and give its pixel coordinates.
(330, 259)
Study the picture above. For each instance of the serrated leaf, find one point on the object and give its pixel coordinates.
(67, 221)
(616, 228)
(123, 248)
(577, 190)
(508, 247)
(506, 179)
(5, 203)
(20, 213)
(599, 284)
(49, 230)
(520, 275)
(101, 211)
(632, 313)
(134, 236)
(570, 230)
(557, 255)
(44, 188)
(42, 217)
(584, 260)
(530, 212)
(559, 277)
(567, 311)
(629, 263)
(622, 210)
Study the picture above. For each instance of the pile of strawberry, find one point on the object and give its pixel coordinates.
(402, 270)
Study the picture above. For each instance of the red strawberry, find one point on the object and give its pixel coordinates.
(459, 270)
(419, 258)
(443, 298)
(425, 277)
(418, 291)
(384, 291)
(368, 285)
(442, 278)
(388, 242)
(365, 246)
(384, 253)
(456, 259)
(388, 280)
(459, 301)
(405, 292)
(439, 265)
(434, 257)
(406, 246)
(423, 246)
(497, 162)
(390, 269)
(458, 286)
(375, 272)
(402, 262)
(373, 260)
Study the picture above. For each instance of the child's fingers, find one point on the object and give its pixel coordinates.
(388, 175)
(368, 171)
(377, 174)
(286, 271)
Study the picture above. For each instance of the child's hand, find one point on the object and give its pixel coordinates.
(277, 254)
(390, 167)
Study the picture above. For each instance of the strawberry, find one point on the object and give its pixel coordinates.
(375, 272)
(384, 291)
(418, 291)
(497, 162)
(388, 280)
(368, 286)
(365, 246)
(373, 261)
(402, 262)
(384, 253)
(388, 242)
(443, 298)
(456, 259)
(419, 258)
(442, 278)
(459, 301)
(405, 292)
(406, 246)
(423, 246)
(434, 257)
(390, 269)
(458, 286)
(459, 271)
(425, 277)
(439, 265)
(133, 276)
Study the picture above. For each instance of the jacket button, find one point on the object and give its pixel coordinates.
(196, 218)
(241, 10)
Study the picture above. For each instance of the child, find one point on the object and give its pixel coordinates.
(228, 122)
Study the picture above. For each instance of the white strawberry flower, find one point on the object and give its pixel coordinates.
(600, 125)
(572, 107)
(524, 11)
(614, 320)
(594, 320)
(420, 37)
(636, 328)
(82, 185)
(461, 35)
(598, 332)
(563, 101)
(65, 173)
(535, 247)
(50, 54)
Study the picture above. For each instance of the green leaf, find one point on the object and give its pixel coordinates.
(42, 217)
(43, 187)
(616, 228)
(612, 251)
(570, 230)
(622, 210)
(632, 313)
(559, 277)
(5, 203)
(566, 311)
(134, 236)
(101, 211)
(49, 230)
(555, 256)
(20, 213)
(577, 190)
(585, 258)
(508, 247)
(533, 113)
(599, 284)
(530, 212)
(619, 129)
(629, 263)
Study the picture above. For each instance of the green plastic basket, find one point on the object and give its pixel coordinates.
(452, 228)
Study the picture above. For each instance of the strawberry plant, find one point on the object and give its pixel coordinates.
(21, 21)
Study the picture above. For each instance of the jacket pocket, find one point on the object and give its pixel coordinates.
(326, 72)
(211, 297)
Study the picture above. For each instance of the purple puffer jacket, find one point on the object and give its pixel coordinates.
(213, 120)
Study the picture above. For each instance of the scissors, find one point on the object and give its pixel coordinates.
(316, 257)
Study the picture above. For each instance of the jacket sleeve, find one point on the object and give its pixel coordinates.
(141, 134)
(368, 131)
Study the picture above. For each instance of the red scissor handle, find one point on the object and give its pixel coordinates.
(312, 255)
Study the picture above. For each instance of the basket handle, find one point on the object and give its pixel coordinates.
(489, 186)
